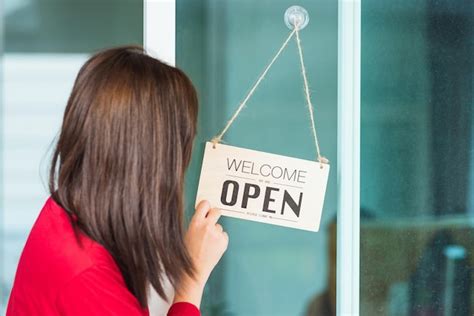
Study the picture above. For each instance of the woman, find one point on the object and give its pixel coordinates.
(113, 224)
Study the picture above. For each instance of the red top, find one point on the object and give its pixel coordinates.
(56, 276)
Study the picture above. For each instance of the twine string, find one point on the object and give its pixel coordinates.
(321, 159)
(218, 138)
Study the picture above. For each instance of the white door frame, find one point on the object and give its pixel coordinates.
(159, 29)
(348, 158)
(160, 41)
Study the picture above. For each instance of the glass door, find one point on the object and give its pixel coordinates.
(417, 158)
(224, 46)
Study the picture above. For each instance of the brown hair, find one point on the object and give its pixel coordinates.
(119, 163)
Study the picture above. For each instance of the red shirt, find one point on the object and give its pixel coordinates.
(56, 276)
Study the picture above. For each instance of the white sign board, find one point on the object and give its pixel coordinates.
(263, 187)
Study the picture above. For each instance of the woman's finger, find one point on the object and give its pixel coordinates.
(202, 209)
(226, 237)
(213, 215)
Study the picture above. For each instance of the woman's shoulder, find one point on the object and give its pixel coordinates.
(54, 241)
(58, 263)
(56, 253)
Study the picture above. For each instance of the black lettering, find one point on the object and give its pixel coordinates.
(268, 199)
(301, 174)
(269, 170)
(287, 199)
(273, 172)
(247, 195)
(225, 188)
(286, 174)
(233, 164)
(252, 171)
(246, 166)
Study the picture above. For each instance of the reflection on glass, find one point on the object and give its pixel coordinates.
(224, 46)
(45, 43)
(417, 158)
(324, 303)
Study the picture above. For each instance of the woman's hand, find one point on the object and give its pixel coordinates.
(206, 242)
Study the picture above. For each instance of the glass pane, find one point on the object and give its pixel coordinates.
(224, 46)
(45, 43)
(417, 158)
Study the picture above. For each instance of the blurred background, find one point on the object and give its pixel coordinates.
(44, 43)
(417, 139)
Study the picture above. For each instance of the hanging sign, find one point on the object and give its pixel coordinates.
(263, 187)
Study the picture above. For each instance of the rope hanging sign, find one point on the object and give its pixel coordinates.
(264, 187)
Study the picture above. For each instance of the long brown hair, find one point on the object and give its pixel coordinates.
(119, 163)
